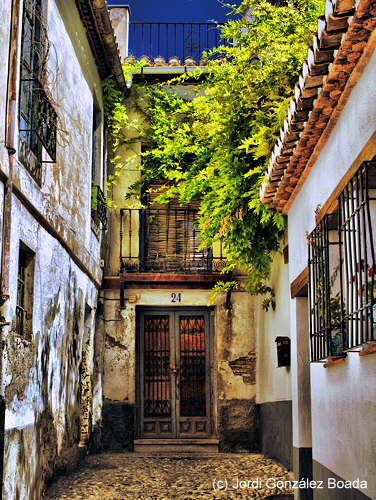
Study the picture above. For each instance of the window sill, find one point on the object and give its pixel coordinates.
(370, 350)
(334, 362)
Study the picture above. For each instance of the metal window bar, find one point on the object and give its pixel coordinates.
(20, 306)
(37, 116)
(99, 206)
(325, 295)
(163, 241)
(357, 208)
(173, 39)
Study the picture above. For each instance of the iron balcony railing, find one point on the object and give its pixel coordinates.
(167, 240)
(173, 40)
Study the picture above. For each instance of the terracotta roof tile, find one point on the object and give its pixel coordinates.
(336, 49)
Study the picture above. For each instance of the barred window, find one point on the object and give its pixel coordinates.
(325, 294)
(342, 271)
(25, 291)
(357, 209)
(37, 116)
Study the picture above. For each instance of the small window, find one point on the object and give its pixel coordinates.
(325, 291)
(25, 291)
(96, 147)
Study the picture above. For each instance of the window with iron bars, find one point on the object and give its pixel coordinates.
(342, 271)
(25, 291)
(37, 116)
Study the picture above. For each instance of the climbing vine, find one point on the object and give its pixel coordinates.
(212, 142)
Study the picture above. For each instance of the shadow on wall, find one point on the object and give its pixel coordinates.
(118, 426)
(238, 425)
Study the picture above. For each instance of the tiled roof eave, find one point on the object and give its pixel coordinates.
(96, 20)
(341, 39)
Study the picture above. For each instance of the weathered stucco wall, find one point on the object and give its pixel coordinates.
(235, 357)
(42, 384)
(5, 12)
(53, 401)
(234, 365)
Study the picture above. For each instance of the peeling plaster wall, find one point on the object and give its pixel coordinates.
(234, 366)
(235, 357)
(47, 391)
(43, 374)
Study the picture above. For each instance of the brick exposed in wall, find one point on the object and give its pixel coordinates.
(245, 367)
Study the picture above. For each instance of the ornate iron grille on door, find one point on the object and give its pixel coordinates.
(192, 366)
(157, 393)
(342, 270)
(173, 367)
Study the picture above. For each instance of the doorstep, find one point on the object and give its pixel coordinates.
(158, 446)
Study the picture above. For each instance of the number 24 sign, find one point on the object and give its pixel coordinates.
(175, 298)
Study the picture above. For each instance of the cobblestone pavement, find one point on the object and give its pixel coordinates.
(124, 475)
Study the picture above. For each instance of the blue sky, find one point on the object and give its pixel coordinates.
(175, 10)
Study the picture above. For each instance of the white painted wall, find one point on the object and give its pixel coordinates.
(344, 418)
(300, 374)
(342, 396)
(356, 125)
(273, 382)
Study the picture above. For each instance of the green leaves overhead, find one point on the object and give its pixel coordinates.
(214, 141)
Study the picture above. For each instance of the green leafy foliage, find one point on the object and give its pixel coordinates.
(214, 141)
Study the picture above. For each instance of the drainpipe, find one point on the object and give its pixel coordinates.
(10, 143)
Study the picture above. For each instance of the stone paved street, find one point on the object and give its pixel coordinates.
(121, 476)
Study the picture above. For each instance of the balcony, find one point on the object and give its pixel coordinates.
(173, 44)
(165, 240)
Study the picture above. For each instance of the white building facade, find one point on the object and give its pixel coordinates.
(322, 175)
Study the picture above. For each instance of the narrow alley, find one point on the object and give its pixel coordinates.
(140, 476)
(187, 249)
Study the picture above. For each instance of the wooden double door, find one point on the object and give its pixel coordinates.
(174, 373)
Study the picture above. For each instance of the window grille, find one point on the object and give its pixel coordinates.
(37, 116)
(326, 304)
(357, 208)
(20, 308)
(342, 271)
(25, 291)
(98, 206)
